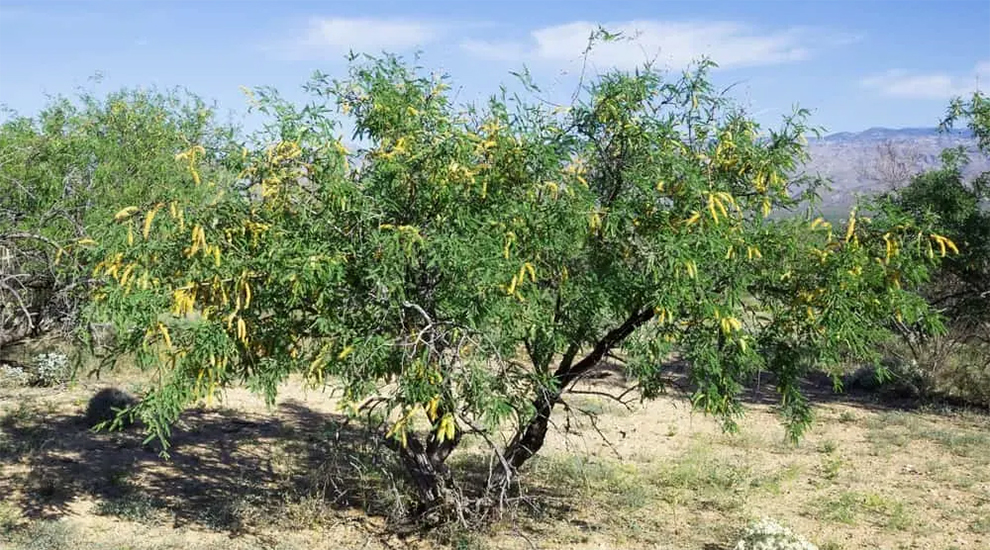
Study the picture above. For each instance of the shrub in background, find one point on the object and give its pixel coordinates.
(51, 369)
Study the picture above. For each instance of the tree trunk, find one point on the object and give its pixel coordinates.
(433, 482)
(530, 437)
(426, 467)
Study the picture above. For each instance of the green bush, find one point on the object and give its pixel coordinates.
(467, 265)
(65, 172)
(956, 363)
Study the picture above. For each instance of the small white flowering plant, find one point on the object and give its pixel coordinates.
(13, 377)
(767, 534)
(52, 369)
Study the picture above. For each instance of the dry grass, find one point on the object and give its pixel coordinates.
(244, 477)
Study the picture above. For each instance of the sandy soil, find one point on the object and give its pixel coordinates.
(244, 476)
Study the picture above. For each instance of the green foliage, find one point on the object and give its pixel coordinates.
(957, 207)
(464, 266)
(850, 507)
(66, 171)
(76, 163)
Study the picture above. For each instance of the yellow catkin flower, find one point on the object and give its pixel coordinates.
(198, 240)
(165, 335)
(711, 207)
(594, 221)
(510, 238)
(446, 428)
(148, 218)
(851, 228)
(521, 276)
(242, 330)
(691, 268)
(946, 242)
(512, 286)
(125, 213)
(431, 408)
(730, 324)
(661, 314)
(247, 294)
(722, 198)
(759, 182)
(532, 272)
(126, 275)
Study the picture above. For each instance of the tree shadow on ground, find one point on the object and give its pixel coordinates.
(230, 471)
(226, 469)
(818, 387)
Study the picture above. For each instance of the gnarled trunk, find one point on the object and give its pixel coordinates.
(529, 438)
(426, 468)
(433, 481)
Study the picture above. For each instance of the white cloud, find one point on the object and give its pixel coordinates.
(904, 84)
(670, 43)
(338, 35)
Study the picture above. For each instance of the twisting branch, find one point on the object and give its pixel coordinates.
(593, 419)
(617, 398)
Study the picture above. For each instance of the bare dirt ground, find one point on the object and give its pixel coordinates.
(243, 476)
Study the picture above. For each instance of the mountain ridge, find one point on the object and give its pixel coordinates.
(881, 133)
(877, 158)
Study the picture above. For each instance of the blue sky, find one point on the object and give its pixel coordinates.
(854, 64)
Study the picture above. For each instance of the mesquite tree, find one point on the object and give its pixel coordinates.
(64, 172)
(463, 268)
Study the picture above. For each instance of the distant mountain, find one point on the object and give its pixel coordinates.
(871, 160)
(896, 134)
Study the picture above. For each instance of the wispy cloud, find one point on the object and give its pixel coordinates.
(331, 36)
(670, 43)
(905, 84)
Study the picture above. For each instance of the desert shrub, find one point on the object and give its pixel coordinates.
(966, 373)
(954, 365)
(893, 376)
(42, 535)
(51, 369)
(767, 534)
(958, 361)
(12, 376)
(64, 172)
